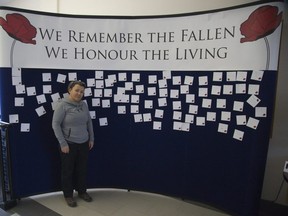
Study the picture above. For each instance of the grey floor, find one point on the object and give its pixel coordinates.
(111, 202)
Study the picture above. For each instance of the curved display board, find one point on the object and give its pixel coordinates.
(185, 112)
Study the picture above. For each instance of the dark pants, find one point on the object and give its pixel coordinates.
(74, 169)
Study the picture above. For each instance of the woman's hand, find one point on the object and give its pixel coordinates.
(91, 144)
(65, 149)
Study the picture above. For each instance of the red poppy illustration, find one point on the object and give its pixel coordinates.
(261, 23)
(18, 27)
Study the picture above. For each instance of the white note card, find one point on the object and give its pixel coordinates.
(135, 98)
(188, 80)
(241, 76)
(16, 80)
(20, 89)
(99, 84)
(18, 101)
(135, 77)
(25, 127)
(88, 92)
(231, 76)
(72, 76)
(147, 117)
(253, 89)
(138, 118)
(55, 97)
(14, 118)
(129, 86)
(222, 128)
(134, 108)
(241, 120)
(215, 90)
(152, 79)
(221, 103)
(108, 93)
(106, 103)
(193, 109)
(148, 104)
(257, 75)
(40, 111)
(157, 125)
(139, 89)
(217, 76)
(200, 121)
(122, 76)
(163, 92)
(162, 102)
(203, 80)
(151, 91)
(98, 93)
(121, 109)
(174, 93)
(225, 116)
(240, 88)
(206, 103)
(47, 89)
(159, 113)
(190, 98)
(252, 123)
(109, 83)
(41, 99)
(238, 106)
(99, 75)
(61, 78)
(91, 82)
(203, 92)
(31, 91)
(253, 100)
(189, 118)
(46, 77)
(103, 121)
(16, 72)
(238, 135)
(228, 89)
(176, 80)
(177, 115)
(211, 116)
(177, 105)
(184, 89)
(166, 74)
(261, 112)
(96, 102)
(162, 83)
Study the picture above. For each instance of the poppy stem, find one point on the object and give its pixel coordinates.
(11, 52)
(268, 53)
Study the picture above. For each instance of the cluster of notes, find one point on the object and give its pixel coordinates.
(149, 100)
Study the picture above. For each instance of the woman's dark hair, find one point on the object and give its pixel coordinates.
(73, 83)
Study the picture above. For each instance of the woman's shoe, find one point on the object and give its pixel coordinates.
(70, 201)
(85, 196)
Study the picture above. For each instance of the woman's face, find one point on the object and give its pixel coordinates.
(76, 93)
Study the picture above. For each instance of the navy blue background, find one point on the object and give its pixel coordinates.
(202, 164)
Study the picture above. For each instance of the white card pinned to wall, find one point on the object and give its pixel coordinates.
(25, 127)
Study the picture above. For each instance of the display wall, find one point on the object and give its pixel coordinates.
(183, 114)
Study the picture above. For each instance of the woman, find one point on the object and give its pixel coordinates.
(73, 128)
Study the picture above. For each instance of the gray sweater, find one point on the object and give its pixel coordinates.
(72, 122)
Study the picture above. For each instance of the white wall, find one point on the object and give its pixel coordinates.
(278, 148)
